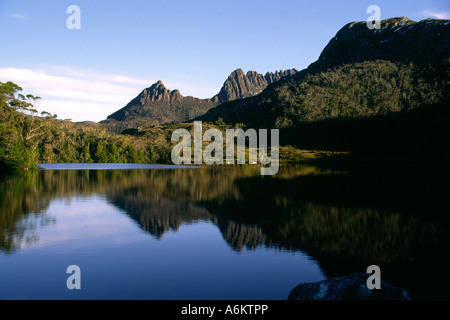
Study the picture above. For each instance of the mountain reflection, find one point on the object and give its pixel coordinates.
(345, 218)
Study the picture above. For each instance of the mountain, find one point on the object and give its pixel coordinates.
(398, 39)
(159, 105)
(377, 94)
(361, 72)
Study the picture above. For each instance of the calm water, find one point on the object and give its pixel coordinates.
(219, 233)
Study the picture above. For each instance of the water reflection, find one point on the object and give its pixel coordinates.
(345, 218)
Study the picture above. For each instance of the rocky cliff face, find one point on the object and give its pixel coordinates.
(158, 105)
(397, 39)
(240, 85)
(158, 92)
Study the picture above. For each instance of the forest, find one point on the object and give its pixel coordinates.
(29, 137)
(368, 111)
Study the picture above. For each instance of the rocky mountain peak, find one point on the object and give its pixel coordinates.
(242, 85)
(237, 73)
(157, 104)
(397, 39)
(158, 92)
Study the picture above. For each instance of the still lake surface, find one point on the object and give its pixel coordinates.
(165, 232)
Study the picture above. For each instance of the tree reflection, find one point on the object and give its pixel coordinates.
(346, 218)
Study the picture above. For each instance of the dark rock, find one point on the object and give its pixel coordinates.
(351, 287)
(158, 105)
(397, 39)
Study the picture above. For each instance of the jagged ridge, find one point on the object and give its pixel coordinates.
(159, 105)
(240, 85)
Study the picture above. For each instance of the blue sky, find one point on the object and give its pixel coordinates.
(125, 46)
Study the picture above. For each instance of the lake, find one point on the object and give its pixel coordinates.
(165, 232)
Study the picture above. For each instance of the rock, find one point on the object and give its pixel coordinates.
(158, 92)
(158, 105)
(398, 39)
(351, 287)
(241, 85)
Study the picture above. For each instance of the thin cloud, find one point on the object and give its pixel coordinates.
(436, 14)
(91, 74)
(76, 94)
(19, 16)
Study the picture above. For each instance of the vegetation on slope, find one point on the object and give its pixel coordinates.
(28, 137)
(354, 90)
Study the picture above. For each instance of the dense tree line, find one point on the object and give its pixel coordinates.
(374, 110)
(359, 90)
(29, 137)
(353, 90)
(364, 106)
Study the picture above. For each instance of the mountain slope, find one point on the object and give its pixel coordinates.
(360, 73)
(159, 105)
(156, 104)
(398, 39)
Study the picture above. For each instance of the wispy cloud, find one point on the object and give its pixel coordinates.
(19, 16)
(76, 94)
(436, 14)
